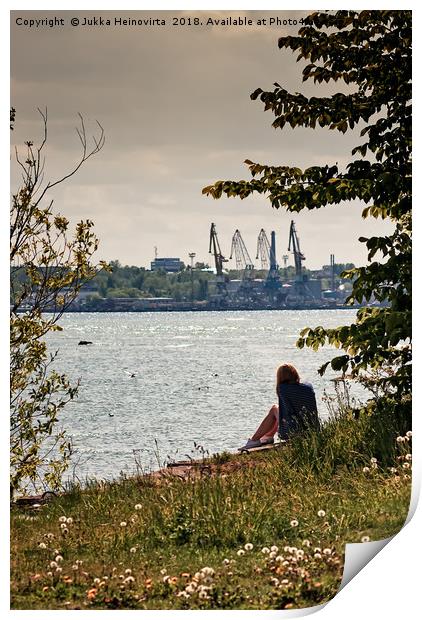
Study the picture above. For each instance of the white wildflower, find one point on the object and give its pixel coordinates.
(265, 550)
(53, 564)
(374, 460)
(317, 556)
(129, 579)
(42, 545)
(365, 539)
(294, 522)
(274, 548)
(203, 595)
(241, 552)
(409, 434)
(406, 465)
(69, 520)
(133, 550)
(272, 555)
(138, 506)
(226, 561)
(249, 546)
(62, 519)
(408, 457)
(327, 551)
(123, 523)
(306, 543)
(321, 513)
(59, 558)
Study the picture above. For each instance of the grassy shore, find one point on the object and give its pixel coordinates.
(262, 531)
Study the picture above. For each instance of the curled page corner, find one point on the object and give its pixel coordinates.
(357, 555)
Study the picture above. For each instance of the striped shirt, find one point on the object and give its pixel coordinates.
(297, 408)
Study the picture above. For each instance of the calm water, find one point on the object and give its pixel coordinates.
(205, 377)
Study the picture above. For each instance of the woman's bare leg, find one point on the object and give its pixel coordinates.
(268, 426)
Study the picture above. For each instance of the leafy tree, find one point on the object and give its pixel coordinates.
(370, 53)
(48, 267)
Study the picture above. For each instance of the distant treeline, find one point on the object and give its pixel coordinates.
(131, 281)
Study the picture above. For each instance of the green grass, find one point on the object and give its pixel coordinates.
(135, 544)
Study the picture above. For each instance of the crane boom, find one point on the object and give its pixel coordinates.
(295, 248)
(243, 260)
(216, 251)
(263, 250)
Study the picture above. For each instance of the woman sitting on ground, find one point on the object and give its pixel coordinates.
(296, 410)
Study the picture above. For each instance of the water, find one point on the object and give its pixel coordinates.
(152, 384)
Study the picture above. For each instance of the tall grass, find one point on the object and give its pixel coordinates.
(318, 492)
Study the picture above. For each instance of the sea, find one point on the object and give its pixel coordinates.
(163, 386)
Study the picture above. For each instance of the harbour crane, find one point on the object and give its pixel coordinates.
(295, 248)
(241, 254)
(218, 258)
(267, 253)
(301, 287)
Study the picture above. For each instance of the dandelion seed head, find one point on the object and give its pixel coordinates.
(123, 523)
(321, 513)
(366, 470)
(306, 543)
(42, 545)
(59, 569)
(409, 434)
(365, 539)
(241, 552)
(274, 548)
(62, 519)
(317, 556)
(406, 465)
(133, 550)
(327, 551)
(265, 550)
(294, 522)
(226, 561)
(249, 546)
(138, 506)
(374, 460)
(53, 564)
(69, 520)
(408, 457)
(75, 567)
(272, 554)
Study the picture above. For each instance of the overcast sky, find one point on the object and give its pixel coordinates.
(174, 103)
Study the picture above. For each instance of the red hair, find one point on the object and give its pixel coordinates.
(287, 373)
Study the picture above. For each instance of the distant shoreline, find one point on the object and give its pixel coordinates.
(176, 310)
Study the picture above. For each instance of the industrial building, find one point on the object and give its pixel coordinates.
(170, 265)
